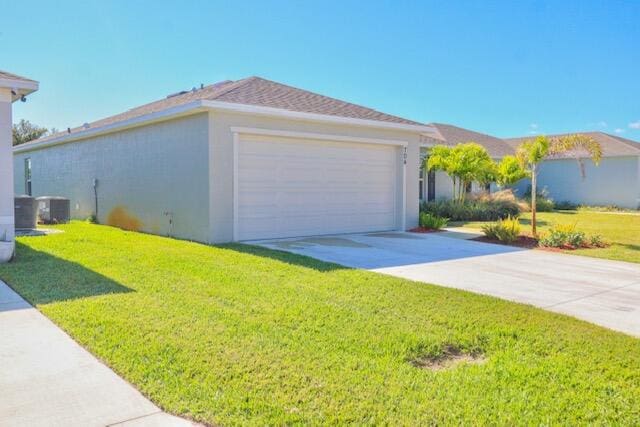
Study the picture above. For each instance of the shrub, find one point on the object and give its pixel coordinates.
(477, 208)
(564, 235)
(544, 203)
(607, 208)
(505, 230)
(597, 241)
(432, 222)
(566, 205)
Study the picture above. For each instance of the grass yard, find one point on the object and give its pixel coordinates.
(241, 335)
(622, 230)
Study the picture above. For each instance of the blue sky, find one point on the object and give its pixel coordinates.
(508, 68)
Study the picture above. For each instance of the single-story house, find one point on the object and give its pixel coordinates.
(437, 185)
(235, 161)
(615, 181)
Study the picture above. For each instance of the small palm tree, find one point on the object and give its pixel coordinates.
(531, 152)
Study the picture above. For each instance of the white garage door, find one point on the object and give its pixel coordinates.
(299, 187)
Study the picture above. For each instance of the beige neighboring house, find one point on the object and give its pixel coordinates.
(235, 161)
(615, 181)
(12, 88)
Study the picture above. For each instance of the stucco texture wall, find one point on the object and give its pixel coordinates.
(615, 181)
(221, 160)
(147, 176)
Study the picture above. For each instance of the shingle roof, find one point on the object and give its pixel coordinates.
(252, 91)
(266, 93)
(612, 146)
(11, 76)
(453, 135)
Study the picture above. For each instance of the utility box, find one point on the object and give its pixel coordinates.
(54, 210)
(25, 211)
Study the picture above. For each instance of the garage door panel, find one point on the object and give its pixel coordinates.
(299, 187)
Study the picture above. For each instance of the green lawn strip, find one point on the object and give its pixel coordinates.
(242, 335)
(621, 230)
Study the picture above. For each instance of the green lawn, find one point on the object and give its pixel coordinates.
(622, 230)
(241, 335)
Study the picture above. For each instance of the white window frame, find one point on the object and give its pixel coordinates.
(28, 183)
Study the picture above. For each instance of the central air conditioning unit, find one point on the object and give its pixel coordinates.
(25, 212)
(54, 210)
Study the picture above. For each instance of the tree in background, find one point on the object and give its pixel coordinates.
(509, 171)
(531, 152)
(464, 163)
(25, 131)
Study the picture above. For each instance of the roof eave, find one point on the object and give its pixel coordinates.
(313, 117)
(19, 87)
(158, 116)
(206, 105)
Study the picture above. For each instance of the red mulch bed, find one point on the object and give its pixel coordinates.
(522, 242)
(529, 242)
(424, 230)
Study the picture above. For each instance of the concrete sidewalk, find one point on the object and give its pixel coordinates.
(47, 379)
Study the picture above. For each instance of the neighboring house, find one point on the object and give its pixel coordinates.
(237, 160)
(615, 181)
(436, 185)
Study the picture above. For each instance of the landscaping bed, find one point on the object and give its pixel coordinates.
(242, 335)
(620, 232)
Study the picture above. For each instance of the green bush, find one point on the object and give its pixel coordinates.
(431, 221)
(472, 210)
(566, 205)
(544, 203)
(505, 230)
(565, 235)
(597, 241)
(607, 208)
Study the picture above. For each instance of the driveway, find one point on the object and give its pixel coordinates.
(600, 291)
(47, 379)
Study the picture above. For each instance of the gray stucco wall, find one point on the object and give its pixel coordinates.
(221, 160)
(616, 181)
(142, 173)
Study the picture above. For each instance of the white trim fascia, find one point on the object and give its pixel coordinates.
(312, 117)
(19, 84)
(169, 113)
(315, 136)
(203, 105)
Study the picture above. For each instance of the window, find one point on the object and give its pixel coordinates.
(422, 177)
(27, 176)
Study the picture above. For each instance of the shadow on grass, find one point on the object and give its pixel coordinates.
(527, 221)
(629, 246)
(42, 278)
(282, 256)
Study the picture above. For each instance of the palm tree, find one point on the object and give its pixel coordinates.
(531, 152)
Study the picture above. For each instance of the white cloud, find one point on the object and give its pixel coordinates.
(533, 126)
(635, 125)
(602, 124)
(619, 130)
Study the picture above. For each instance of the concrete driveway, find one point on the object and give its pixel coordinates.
(600, 291)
